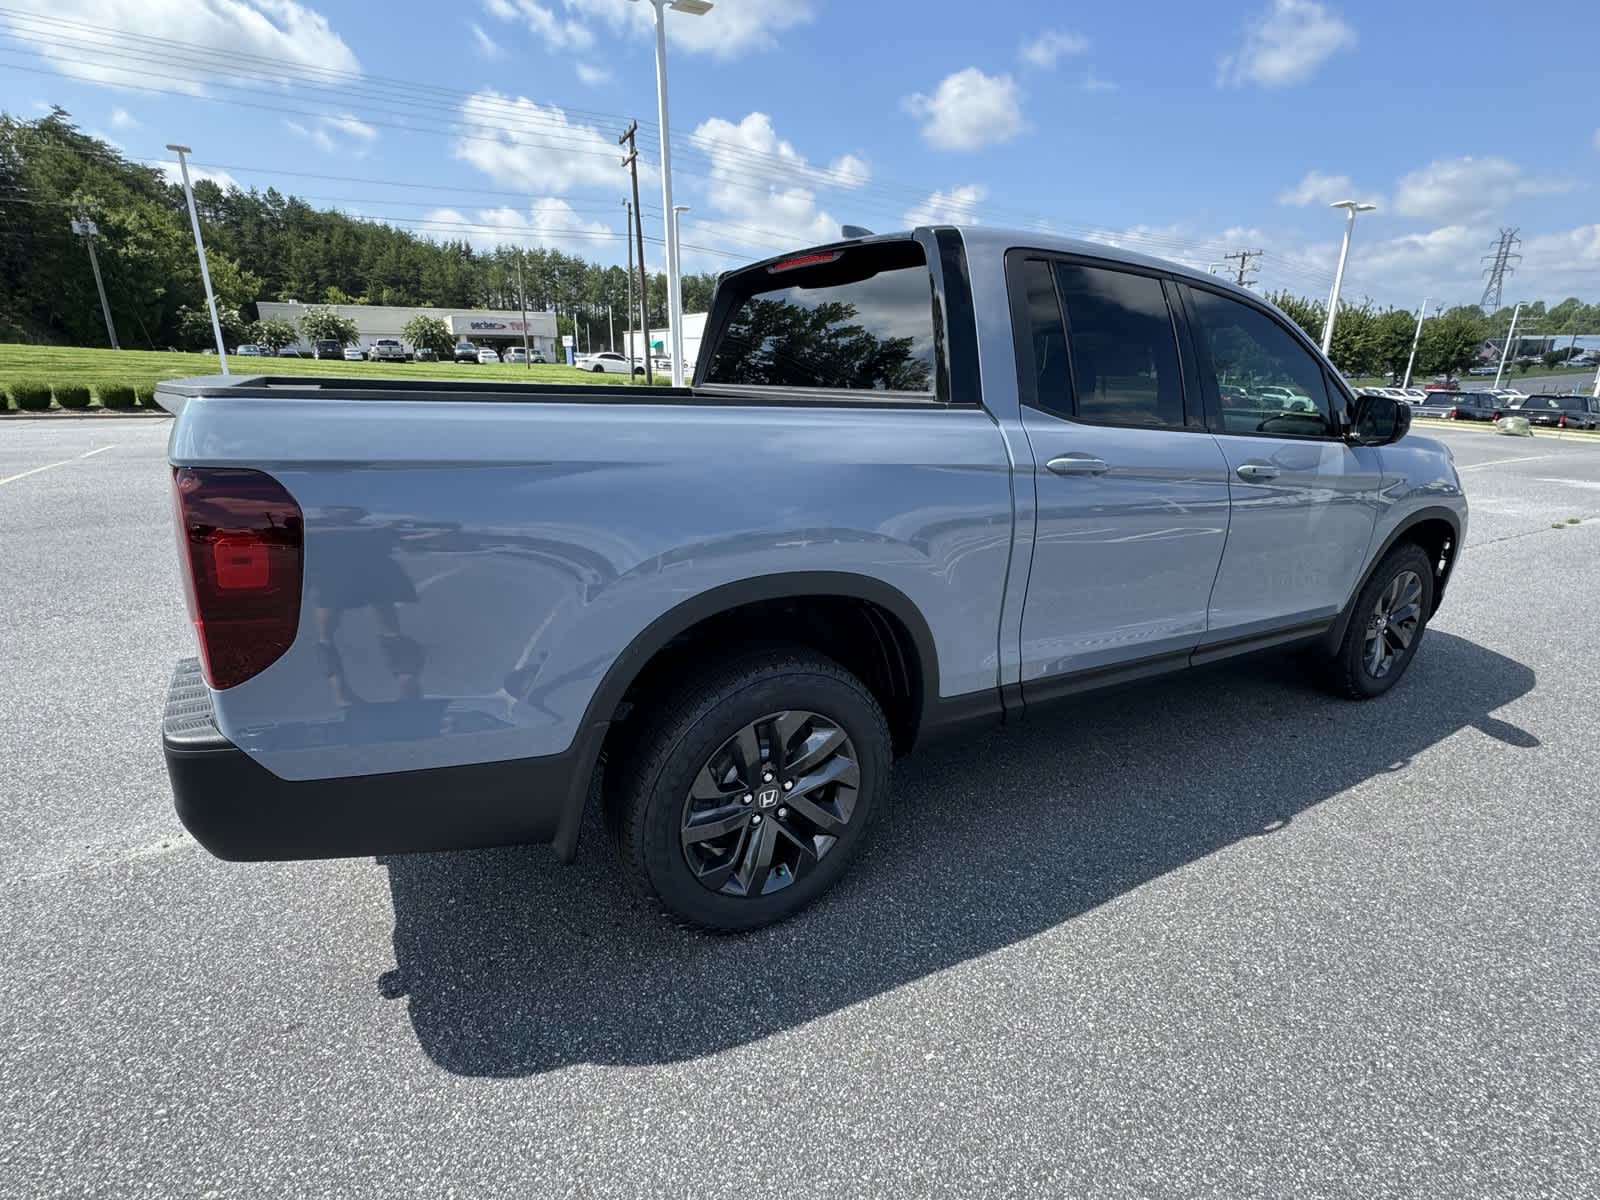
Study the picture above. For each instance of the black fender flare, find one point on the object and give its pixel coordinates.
(1435, 512)
(676, 621)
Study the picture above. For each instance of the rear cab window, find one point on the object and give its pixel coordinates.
(856, 318)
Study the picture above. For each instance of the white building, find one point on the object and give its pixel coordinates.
(694, 327)
(500, 330)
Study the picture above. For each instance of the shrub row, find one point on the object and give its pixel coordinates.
(35, 395)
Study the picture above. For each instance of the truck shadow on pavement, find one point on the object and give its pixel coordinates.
(514, 964)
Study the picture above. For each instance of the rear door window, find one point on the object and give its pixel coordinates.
(859, 319)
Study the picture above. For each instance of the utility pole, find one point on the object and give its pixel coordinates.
(1422, 311)
(1506, 350)
(1501, 263)
(1244, 257)
(88, 231)
(522, 299)
(627, 236)
(632, 163)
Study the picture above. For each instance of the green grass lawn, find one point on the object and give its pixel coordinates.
(142, 369)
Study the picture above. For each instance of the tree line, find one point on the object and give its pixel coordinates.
(265, 245)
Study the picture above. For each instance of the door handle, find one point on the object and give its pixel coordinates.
(1257, 472)
(1078, 464)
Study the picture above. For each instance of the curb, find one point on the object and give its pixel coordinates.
(88, 414)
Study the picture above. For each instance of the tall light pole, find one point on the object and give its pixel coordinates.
(1415, 338)
(677, 330)
(200, 245)
(1351, 207)
(694, 8)
(1506, 349)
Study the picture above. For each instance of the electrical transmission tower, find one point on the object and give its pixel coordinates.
(1501, 263)
(1245, 275)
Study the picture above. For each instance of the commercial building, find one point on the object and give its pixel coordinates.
(485, 327)
(694, 326)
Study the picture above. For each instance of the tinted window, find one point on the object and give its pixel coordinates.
(1124, 356)
(1539, 402)
(862, 321)
(1266, 381)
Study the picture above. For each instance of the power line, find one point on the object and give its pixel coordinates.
(1245, 269)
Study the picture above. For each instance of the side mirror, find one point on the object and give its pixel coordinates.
(1380, 420)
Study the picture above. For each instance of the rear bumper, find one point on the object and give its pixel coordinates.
(239, 810)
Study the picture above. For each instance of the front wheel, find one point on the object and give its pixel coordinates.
(747, 790)
(1386, 627)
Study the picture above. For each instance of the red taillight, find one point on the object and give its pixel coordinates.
(242, 540)
(1495, 416)
(1451, 415)
(804, 260)
(1563, 421)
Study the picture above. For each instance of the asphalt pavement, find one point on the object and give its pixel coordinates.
(1220, 936)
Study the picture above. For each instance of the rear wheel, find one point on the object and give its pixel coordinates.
(746, 791)
(1386, 627)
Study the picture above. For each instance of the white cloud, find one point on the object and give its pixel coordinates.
(549, 222)
(1093, 83)
(1052, 45)
(1285, 44)
(276, 30)
(553, 31)
(593, 76)
(221, 178)
(1318, 188)
(340, 132)
(121, 118)
(519, 142)
(1456, 189)
(958, 206)
(485, 45)
(762, 182)
(969, 110)
(730, 29)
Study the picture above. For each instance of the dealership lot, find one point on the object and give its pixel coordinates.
(1225, 936)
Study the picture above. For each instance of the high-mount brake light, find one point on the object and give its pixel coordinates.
(803, 260)
(242, 540)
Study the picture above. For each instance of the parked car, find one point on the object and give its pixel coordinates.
(604, 361)
(750, 661)
(660, 364)
(354, 354)
(426, 354)
(466, 352)
(518, 354)
(250, 350)
(289, 352)
(389, 350)
(1456, 406)
(1562, 412)
(327, 348)
(1483, 370)
(487, 355)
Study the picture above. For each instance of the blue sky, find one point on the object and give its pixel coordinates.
(1187, 130)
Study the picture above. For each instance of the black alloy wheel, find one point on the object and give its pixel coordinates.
(1392, 624)
(740, 791)
(770, 804)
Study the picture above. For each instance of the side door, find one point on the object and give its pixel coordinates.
(1131, 490)
(1305, 502)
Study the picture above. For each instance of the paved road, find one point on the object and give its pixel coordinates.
(1582, 381)
(1227, 938)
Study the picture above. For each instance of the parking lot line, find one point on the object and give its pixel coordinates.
(62, 463)
(1498, 462)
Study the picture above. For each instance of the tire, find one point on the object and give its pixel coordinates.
(690, 740)
(1353, 675)
(598, 370)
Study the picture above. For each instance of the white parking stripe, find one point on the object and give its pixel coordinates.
(1500, 462)
(51, 466)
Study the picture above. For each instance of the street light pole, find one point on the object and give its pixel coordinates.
(658, 9)
(1505, 351)
(1351, 208)
(1415, 338)
(200, 245)
(522, 299)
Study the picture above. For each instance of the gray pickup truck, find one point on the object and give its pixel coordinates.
(923, 481)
